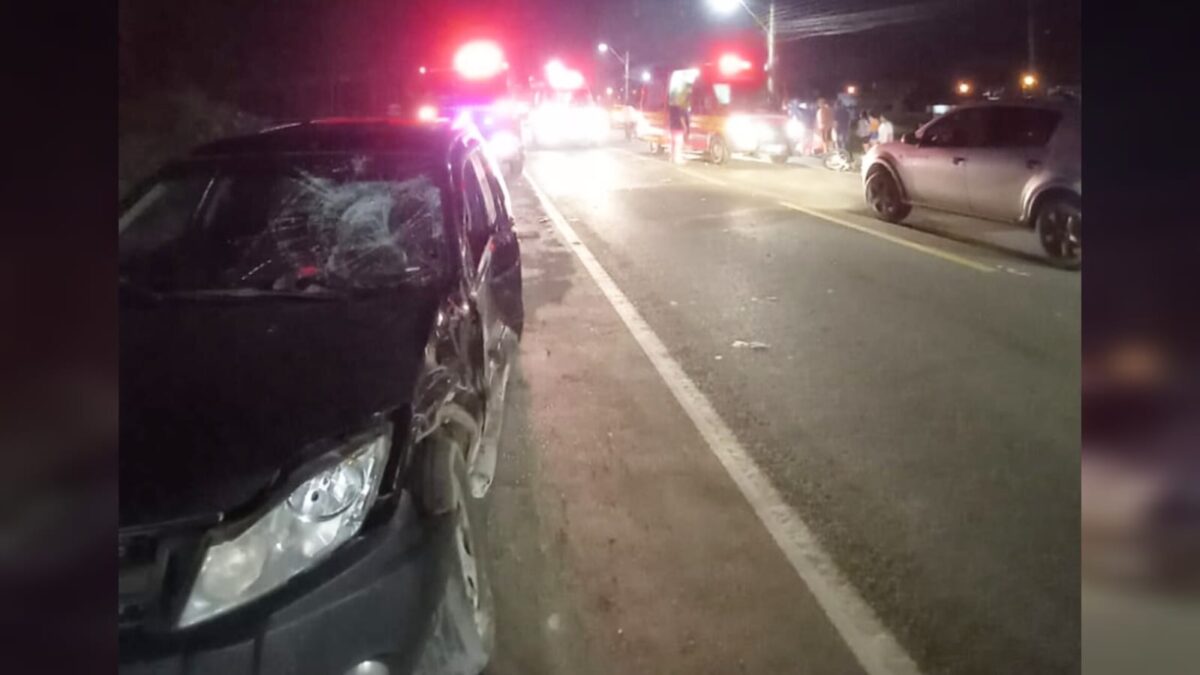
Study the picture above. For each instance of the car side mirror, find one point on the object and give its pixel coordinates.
(909, 138)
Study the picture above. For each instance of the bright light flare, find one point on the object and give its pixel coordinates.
(732, 64)
(504, 145)
(645, 76)
(602, 48)
(560, 77)
(852, 90)
(724, 6)
(427, 113)
(608, 91)
(422, 70)
(794, 130)
(1028, 80)
(742, 132)
(478, 60)
(964, 88)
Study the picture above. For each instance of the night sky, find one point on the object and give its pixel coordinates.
(246, 41)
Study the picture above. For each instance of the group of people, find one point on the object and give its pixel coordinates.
(838, 127)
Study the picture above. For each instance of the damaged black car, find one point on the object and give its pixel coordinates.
(317, 325)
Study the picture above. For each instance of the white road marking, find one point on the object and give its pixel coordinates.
(831, 218)
(876, 649)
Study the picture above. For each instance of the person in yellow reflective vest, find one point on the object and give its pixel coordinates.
(679, 119)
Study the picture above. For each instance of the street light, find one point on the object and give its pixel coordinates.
(852, 90)
(964, 88)
(768, 26)
(1028, 81)
(645, 76)
(624, 60)
(724, 6)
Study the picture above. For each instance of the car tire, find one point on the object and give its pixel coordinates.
(718, 150)
(883, 197)
(464, 631)
(1058, 224)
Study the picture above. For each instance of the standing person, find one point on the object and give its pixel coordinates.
(886, 133)
(804, 113)
(677, 120)
(863, 130)
(841, 125)
(873, 139)
(824, 124)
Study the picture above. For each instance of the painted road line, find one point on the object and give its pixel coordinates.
(876, 649)
(900, 241)
(944, 255)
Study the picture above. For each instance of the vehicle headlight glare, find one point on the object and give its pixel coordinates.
(505, 144)
(319, 515)
(742, 132)
(795, 129)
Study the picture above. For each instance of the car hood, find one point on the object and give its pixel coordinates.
(218, 395)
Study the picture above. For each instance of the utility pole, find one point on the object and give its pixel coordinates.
(626, 77)
(771, 51)
(603, 48)
(1029, 36)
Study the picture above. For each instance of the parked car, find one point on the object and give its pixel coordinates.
(1008, 161)
(317, 324)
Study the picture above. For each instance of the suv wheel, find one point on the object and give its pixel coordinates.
(1059, 223)
(883, 196)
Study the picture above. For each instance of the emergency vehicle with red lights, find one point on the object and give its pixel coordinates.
(728, 112)
(478, 88)
(565, 113)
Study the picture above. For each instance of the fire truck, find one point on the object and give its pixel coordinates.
(728, 112)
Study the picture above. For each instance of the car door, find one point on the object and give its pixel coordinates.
(934, 170)
(494, 280)
(495, 288)
(1014, 152)
(503, 250)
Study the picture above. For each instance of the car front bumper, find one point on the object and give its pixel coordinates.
(380, 607)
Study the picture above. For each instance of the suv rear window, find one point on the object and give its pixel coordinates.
(1023, 127)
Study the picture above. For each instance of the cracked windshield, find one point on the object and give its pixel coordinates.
(532, 337)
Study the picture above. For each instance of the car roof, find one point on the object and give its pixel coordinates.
(1064, 106)
(430, 140)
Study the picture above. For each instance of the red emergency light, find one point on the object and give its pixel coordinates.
(732, 64)
(479, 60)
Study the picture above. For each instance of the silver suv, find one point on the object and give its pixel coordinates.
(1009, 161)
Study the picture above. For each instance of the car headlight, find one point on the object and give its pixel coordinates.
(316, 517)
(795, 129)
(742, 132)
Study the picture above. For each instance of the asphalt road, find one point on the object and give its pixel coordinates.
(914, 399)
